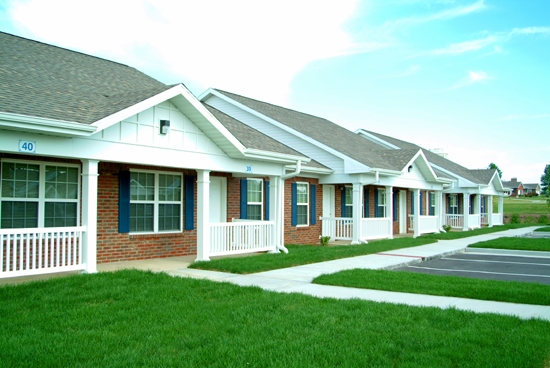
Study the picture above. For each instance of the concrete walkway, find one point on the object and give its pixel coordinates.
(298, 279)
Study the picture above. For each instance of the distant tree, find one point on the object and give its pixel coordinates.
(495, 167)
(545, 180)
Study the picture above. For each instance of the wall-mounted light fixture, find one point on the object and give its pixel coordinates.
(410, 168)
(164, 126)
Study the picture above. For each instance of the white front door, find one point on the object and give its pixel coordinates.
(328, 201)
(218, 199)
(402, 211)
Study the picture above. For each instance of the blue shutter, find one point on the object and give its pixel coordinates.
(420, 207)
(430, 204)
(189, 187)
(124, 202)
(367, 202)
(266, 186)
(312, 204)
(294, 204)
(244, 199)
(412, 203)
(395, 206)
(376, 202)
(344, 202)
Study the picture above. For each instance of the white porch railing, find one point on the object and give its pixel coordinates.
(427, 224)
(484, 219)
(239, 237)
(454, 221)
(474, 221)
(376, 228)
(497, 219)
(338, 228)
(26, 252)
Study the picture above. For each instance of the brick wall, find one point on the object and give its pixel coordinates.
(302, 234)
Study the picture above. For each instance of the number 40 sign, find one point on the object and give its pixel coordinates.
(27, 146)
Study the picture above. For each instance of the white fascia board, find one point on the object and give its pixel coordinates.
(178, 90)
(284, 127)
(46, 126)
(375, 139)
(465, 183)
(274, 156)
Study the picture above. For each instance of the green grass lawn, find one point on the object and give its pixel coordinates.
(462, 287)
(305, 254)
(140, 319)
(465, 234)
(524, 205)
(536, 244)
(547, 228)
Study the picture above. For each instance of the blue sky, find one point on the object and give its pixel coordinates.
(470, 77)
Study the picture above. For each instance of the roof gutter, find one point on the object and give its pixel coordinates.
(35, 124)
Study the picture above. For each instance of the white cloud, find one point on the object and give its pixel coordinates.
(245, 46)
(446, 14)
(472, 78)
(467, 46)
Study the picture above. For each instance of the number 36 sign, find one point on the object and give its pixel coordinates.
(27, 146)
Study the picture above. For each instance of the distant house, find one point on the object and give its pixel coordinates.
(513, 188)
(532, 189)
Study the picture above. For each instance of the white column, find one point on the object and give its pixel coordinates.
(357, 200)
(203, 215)
(438, 209)
(389, 210)
(490, 210)
(276, 212)
(89, 214)
(501, 209)
(466, 210)
(416, 215)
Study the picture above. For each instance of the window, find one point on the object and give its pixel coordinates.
(39, 195)
(381, 203)
(348, 195)
(432, 204)
(255, 199)
(155, 202)
(302, 190)
(453, 204)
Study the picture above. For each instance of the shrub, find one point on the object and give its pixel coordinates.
(515, 219)
(325, 240)
(447, 228)
(530, 220)
(543, 219)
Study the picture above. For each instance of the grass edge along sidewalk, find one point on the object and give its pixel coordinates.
(135, 318)
(306, 254)
(451, 286)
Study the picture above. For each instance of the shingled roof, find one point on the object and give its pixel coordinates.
(329, 134)
(477, 176)
(252, 138)
(41, 80)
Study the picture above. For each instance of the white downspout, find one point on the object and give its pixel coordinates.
(281, 216)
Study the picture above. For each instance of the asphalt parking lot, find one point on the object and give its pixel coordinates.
(487, 266)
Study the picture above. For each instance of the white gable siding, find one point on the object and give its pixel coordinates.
(306, 148)
(144, 129)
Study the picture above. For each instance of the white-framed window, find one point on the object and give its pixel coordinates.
(155, 202)
(432, 204)
(302, 191)
(349, 201)
(255, 199)
(38, 194)
(381, 203)
(453, 204)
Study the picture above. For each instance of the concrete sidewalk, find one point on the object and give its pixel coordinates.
(298, 279)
